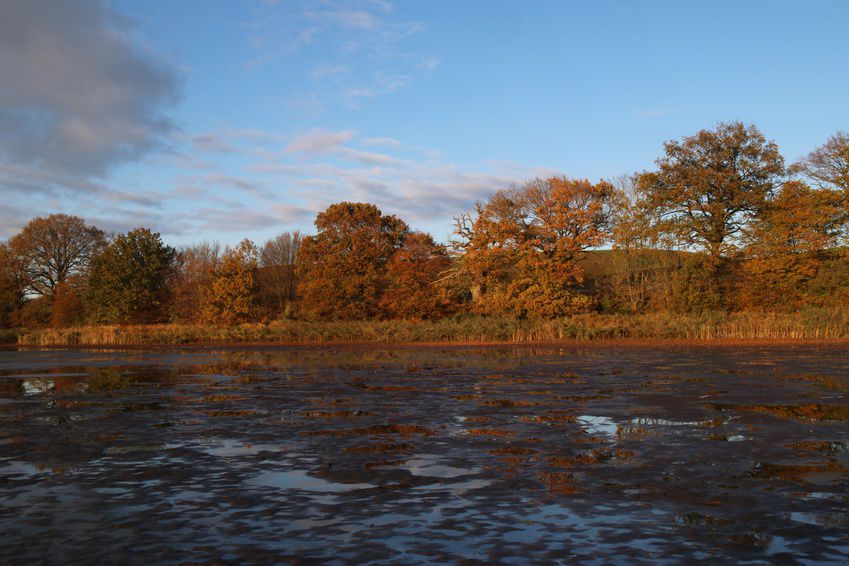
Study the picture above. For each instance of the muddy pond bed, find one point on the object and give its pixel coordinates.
(573, 454)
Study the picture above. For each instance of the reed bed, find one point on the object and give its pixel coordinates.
(805, 325)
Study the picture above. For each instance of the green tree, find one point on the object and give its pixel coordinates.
(128, 279)
(342, 269)
(231, 297)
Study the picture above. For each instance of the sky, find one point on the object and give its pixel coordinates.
(231, 119)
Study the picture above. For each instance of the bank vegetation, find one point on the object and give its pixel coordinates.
(720, 240)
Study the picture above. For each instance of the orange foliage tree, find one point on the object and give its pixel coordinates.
(789, 244)
(194, 267)
(413, 290)
(523, 246)
(342, 269)
(231, 297)
(68, 302)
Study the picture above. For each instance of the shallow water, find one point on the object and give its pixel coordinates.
(514, 455)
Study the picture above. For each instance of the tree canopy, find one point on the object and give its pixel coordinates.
(128, 280)
(828, 165)
(708, 186)
(54, 248)
(231, 296)
(342, 268)
(522, 247)
(718, 225)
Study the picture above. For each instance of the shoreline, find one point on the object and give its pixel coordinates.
(452, 344)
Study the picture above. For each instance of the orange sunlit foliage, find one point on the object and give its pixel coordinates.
(231, 295)
(190, 280)
(523, 246)
(342, 269)
(68, 303)
(789, 243)
(716, 226)
(413, 273)
(12, 286)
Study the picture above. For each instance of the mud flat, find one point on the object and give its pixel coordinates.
(656, 454)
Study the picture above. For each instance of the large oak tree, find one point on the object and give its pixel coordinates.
(55, 248)
(708, 186)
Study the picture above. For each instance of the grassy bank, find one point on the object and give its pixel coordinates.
(812, 324)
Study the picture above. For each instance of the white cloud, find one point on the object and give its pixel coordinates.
(360, 45)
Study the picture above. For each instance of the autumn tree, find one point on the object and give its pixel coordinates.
(128, 279)
(55, 248)
(342, 269)
(231, 297)
(523, 246)
(790, 242)
(642, 258)
(707, 187)
(68, 307)
(276, 275)
(191, 279)
(413, 274)
(12, 287)
(828, 165)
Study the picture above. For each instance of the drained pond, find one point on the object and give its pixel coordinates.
(576, 454)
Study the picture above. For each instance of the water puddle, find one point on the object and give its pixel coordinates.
(302, 481)
(598, 425)
(37, 386)
(427, 465)
(229, 448)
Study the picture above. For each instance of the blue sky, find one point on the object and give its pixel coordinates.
(243, 118)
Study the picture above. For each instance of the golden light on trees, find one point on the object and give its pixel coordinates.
(522, 247)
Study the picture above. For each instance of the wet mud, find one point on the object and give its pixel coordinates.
(426, 456)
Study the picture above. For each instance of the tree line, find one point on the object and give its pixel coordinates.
(721, 223)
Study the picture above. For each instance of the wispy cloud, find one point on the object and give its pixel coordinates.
(319, 141)
(361, 46)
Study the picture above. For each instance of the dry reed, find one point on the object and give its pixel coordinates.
(810, 324)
